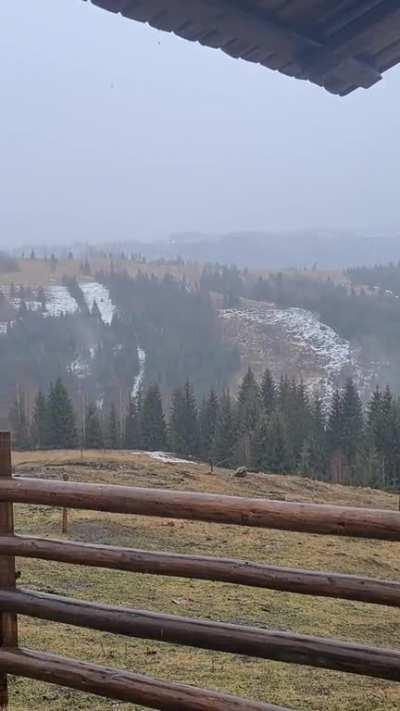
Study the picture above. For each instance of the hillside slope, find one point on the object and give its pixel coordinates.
(301, 688)
(294, 342)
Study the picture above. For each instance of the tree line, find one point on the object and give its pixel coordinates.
(269, 427)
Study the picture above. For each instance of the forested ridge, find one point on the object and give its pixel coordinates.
(174, 323)
(177, 326)
(174, 320)
(268, 427)
(385, 277)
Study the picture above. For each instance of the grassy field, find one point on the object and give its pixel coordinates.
(301, 688)
(38, 272)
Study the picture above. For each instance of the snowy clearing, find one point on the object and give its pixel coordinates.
(95, 292)
(294, 342)
(304, 327)
(59, 301)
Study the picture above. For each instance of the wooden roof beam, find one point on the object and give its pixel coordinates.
(355, 43)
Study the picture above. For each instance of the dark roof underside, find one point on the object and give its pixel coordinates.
(338, 44)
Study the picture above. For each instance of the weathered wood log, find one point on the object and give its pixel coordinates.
(122, 685)
(64, 524)
(219, 636)
(8, 622)
(264, 513)
(228, 570)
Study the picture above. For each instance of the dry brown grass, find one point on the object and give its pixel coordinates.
(37, 272)
(298, 687)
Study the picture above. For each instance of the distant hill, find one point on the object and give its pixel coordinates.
(325, 249)
(322, 249)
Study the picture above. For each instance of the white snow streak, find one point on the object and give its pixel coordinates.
(137, 383)
(95, 292)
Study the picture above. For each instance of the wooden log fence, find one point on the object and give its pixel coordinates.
(204, 634)
(214, 508)
(219, 636)
(121, 685)
(225, 570)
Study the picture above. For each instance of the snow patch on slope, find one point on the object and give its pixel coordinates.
(95, 292)
(167, 458)
(294, 340)
(59, 301)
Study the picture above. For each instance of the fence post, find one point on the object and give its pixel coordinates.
(9, 625)
(64, 526)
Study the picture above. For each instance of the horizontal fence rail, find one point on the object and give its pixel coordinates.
(218, 636)
(121, 685)
(306, 582)
(244, 511)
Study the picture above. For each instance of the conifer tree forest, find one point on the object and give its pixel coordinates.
(267, 427)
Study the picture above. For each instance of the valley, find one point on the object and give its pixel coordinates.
(154, 334)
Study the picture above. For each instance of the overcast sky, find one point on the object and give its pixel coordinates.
(110, 129)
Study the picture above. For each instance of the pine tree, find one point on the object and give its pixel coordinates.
(62, 432)
(280, 456)
(248, 403)
(41, 296)
(335, 437)
(248, 415)
(352, 422)
(154, 434)
(133, 429)
(268, 392)
(113, 434)
(298, 418)
(283, 394)
(389, 436)
(374, 417)
(317, 439)
(96, 312)
(40, 422)
(208, 417)
(260, 454)
(85, 267)
(225, 434)
(183, 426)
(93, 431)
(176, 425)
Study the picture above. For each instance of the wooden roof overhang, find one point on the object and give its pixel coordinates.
(341, 46)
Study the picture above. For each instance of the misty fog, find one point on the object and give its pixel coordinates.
(113, 130)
